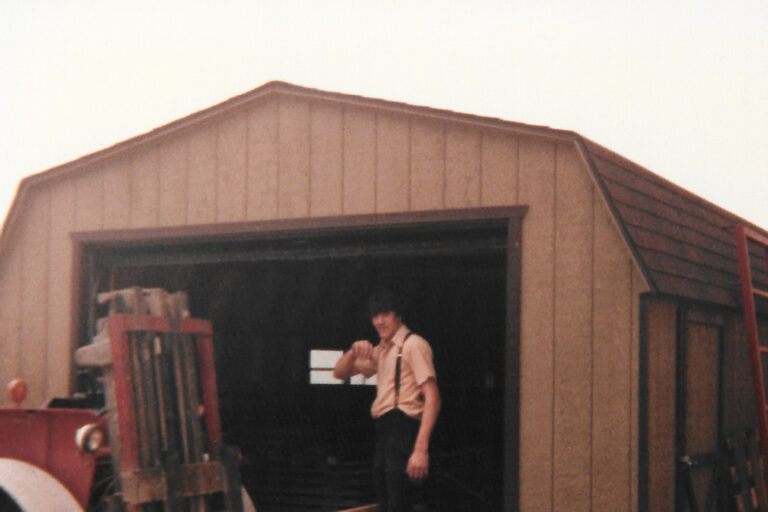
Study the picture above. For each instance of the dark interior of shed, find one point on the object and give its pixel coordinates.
(308, 446)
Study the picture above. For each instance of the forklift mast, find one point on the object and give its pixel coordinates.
(156, 366)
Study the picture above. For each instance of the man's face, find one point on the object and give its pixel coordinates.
(386, 324)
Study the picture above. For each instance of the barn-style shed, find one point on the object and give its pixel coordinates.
(582, 310)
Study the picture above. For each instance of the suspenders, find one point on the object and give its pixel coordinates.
(397, 370)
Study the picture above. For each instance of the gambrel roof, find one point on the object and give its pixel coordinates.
(682, 243)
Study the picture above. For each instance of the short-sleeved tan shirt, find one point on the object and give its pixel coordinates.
(416, 368)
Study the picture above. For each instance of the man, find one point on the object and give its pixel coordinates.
(407, 400)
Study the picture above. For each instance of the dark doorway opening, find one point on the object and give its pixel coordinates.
(275, 301)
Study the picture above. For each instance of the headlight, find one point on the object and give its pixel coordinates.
(90, 438)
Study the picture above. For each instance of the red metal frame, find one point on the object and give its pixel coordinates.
(748, 291)
(119, 326)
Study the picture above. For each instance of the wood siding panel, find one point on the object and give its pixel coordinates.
(537, 189)
(34, 242)
(60, 287)
(293, 183)
(661, 335)
(327, 161)
(573, 334)
(10, 314)
(359, 161)
(427, 165)
(201, 200)
(739, 404)
(702, 398)
(639, 286)
(462, 168)
(392, 167)
(172, 183)
(702, 362)
(232, 161)
(117, 194)
(263, 162)
(499, 169)
(613, 384)
(89, 198)
(145, 186)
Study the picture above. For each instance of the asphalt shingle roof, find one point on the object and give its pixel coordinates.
(684, 243)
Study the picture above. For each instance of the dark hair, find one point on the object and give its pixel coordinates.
(384, 301)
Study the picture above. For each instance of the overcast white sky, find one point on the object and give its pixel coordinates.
(678, 87)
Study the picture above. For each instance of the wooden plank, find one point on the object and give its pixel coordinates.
(145, 188)
(359, 161)
(263, 162)
(201, 188)
(10, 314)
(117, 194)
(574, 189)
(702, 398)
(661, 334)
(574, 200)
(639, 287)
(427, 165)
(293, 179)
(738, 402)
(89, 189)
(462, 167)
(231, 166)
(512, 368)
(499, 159)
(327, 164)
(612, 363)
(34, 242)
(392, 164)
(537, 186)
(364, 508)
(59, 291)
(172, 183)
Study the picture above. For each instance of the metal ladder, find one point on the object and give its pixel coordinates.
(745, 235)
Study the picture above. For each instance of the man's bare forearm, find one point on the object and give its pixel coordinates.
(428, 416)
(345, 366)
(418, 463)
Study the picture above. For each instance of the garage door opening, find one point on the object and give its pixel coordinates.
(283, 308)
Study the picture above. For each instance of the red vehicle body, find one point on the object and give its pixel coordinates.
(45, 438)
(158, 433)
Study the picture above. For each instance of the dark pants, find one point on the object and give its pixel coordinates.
(395, 435)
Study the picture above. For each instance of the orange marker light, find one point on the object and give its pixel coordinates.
(17, 391)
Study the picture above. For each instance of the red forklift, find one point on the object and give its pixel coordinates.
(149, 440)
